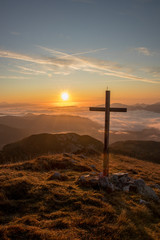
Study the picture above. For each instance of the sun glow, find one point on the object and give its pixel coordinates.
(64, 96)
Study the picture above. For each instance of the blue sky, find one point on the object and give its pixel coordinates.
(83, 46)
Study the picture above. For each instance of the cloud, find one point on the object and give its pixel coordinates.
(62, 63)
(31, 71)
(10, 105)
(12, 77)
(83, 1)
(155, 71)
(91, 51)
(145, 51)
(63, 55)
(17, 56)
(15, 33)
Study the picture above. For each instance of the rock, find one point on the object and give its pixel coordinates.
(56, 175)
(141, 201)
(106, 184)
(157, 186)
(94, 181)
(120, 180)
(119, 175)
(82, 178)
(124, 179)
(117, 188)
(133, 188)
(93, 166)
(149, 192)
(126, 188)
(89, 181)
(114, 178)
(139, 183)
(145, 190)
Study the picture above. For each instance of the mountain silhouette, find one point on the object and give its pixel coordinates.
(45, 143)
(145, 150)
(11, 134)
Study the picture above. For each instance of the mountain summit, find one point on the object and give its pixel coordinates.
(45, 143)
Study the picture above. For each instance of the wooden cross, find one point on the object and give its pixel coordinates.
(107, 109)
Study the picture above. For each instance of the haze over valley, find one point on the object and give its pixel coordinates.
(19, 121)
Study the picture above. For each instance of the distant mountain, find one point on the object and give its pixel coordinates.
(14, 128)
(145, 150)
(39, 144)
(119, 105)
(10, 134)
(149, 134)
(152, 108)
(52, 124)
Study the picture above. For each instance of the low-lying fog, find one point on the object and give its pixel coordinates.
(130, 121)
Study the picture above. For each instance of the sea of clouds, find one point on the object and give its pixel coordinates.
(128, 121)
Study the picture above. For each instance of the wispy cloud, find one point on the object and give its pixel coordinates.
(17, 56)
(12, 77)
(155, 71)
(83, 1)
(15, 33)
(145, 51)
(27, 70)
(63, 63)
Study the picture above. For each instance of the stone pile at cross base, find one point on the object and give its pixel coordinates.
(118, 182)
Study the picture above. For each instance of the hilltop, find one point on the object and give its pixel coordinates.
(45, 143)
(36, 205)
(145, 150)
(38, 144)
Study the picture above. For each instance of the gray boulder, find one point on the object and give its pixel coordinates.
(141, 201)
(145, 190)
(89, 181)
(106, 184)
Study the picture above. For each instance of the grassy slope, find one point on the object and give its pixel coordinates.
(145, 150)
(40, 144)
(32, 206)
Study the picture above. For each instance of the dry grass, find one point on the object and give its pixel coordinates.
(34, 206)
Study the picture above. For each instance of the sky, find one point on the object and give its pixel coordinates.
(80, 46)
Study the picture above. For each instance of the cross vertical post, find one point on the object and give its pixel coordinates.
(107, 109)
(106, 135)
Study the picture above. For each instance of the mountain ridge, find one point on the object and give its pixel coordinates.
(144, 150)
(46, 143)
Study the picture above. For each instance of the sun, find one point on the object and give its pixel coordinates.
(64, 96)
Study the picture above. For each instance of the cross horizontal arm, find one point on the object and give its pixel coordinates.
(97, 109)
(118, 109)
(102, 109)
